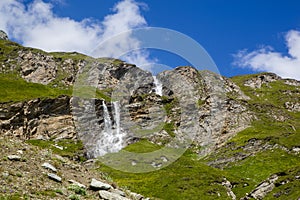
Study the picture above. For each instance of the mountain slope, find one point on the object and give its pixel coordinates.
(245, 130)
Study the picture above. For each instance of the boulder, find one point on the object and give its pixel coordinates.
(111, 196)
(14, 158)
(54, 177)
(49, 166)
(98, 185)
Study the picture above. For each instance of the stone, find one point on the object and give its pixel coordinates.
(136, 196)
(228, 187)
(110, 196)
(77, 184)
(119, 192)
(98, 185)
(54, 177)
(14, 158)
(49, 166)
(3, 35)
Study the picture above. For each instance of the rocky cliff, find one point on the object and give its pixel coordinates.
(205, 95)
(110, 105)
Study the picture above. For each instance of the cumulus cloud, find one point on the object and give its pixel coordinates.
(36, 25)
(266, 59)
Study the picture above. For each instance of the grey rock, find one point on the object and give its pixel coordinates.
(54, 177)
(292, 82)
(38, 118)
(110, 196)
(136, 196)
(119, 192)
(228, 187)
(5, 174)
(262, 79)
(98, 185)
(49, 166)
(292, 106)
(3, 35)
(77, 183)
(263, 188)
(14, 158)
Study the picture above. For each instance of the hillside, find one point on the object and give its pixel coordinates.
(208, 136)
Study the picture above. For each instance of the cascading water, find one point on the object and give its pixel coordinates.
(111, 139)
(118, 135)
(107, 119)
(158, 86)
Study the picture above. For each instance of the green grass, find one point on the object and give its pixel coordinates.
(142, 146)
(290, 190)
(71, 148)
(14, 89)
(257, 168)
(15, 196)
(186, 178)
(270, 94)
(169, 128)
(87, 92)
(77, 189)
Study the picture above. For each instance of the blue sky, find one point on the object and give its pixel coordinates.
(223, 27)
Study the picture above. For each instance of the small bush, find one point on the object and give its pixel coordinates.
(77, 189)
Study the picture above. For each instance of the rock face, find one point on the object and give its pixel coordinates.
(192, 96)
(203, 107)
(3, 35)
(203, 100)
(257, 82)
(38, 118)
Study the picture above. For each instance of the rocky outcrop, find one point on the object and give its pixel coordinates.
(266, 78)
(258, 81)
(203, 100)
(263, 189)
(292, 106)
(38, 118)
(3, 35)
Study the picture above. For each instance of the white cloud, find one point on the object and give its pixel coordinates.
(36, 25)
(266, 59)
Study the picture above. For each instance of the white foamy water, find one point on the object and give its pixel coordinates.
(111, 139)
(158, 86)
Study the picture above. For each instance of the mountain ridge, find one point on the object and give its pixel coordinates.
(241, 123)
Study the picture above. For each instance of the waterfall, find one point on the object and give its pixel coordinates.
(107, 119)
(111, 138)
(158, 86)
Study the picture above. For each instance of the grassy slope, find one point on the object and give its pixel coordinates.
(13, 88)
(266, 101)
(186, 178)
(189, 178)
